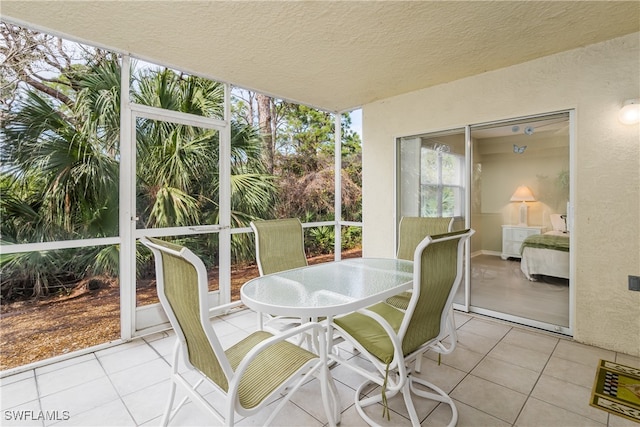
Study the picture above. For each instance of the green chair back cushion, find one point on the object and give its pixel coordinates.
(280, 245)
(414, 229)
(400, 301)
(438, 274)
(439, 261)
(181, 291)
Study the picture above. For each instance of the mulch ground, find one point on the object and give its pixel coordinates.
(38, 329)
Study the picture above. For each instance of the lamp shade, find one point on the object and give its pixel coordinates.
(523, 194)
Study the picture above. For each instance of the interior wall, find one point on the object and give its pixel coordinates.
(543, 167)
(605, 166)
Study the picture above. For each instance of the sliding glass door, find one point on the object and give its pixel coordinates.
(520, 197)
(432, 175)
(433, 182)
(508, 181)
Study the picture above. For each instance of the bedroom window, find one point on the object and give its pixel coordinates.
(441, 183)
(431, 175)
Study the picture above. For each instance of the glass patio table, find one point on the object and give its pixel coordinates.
(329, 289)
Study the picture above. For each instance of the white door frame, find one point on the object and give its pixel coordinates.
(137, 321)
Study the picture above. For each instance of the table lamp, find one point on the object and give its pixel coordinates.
(523, 194)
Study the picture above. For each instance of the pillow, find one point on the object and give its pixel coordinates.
(558, 223)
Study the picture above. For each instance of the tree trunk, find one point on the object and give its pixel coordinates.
(265, 122)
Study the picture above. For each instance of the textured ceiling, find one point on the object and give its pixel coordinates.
(332, 55)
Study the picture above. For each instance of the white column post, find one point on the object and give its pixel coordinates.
(127, 220)
(224, 194)
(338, 187)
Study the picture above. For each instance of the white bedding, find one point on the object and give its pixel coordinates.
(544, 261)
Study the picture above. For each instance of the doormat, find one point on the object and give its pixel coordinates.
(616, 389)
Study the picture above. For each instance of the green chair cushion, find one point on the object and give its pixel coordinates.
(271, 368)
(400, 301)
(369, 333)
(268, 370)
(411, 232)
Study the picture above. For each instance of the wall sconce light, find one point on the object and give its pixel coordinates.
(630, 112)
(523, 194)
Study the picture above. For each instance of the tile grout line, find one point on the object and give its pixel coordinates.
(116, 389)
(169, 379)
(475, 366)
(35, 378)
(69, 388)
(536, 382)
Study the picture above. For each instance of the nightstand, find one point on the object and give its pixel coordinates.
(512, 238)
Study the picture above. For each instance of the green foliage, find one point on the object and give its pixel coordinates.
(351, 237)
(61, 169)
(321, 241)
(36, 273)
(60, 164)
(305, 165)
(60, 156)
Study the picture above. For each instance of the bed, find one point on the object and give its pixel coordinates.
(546, 254)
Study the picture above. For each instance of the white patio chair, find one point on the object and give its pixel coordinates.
(391, 338)
(247, 376)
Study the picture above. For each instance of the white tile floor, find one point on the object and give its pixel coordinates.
(500, 375)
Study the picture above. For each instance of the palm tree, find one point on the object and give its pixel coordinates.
(67, 156)
(178, 173)
(60, 167)
(60, 177)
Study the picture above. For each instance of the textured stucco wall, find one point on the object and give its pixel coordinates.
(605, 163)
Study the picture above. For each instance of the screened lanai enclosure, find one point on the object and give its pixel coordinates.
(101, 148)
